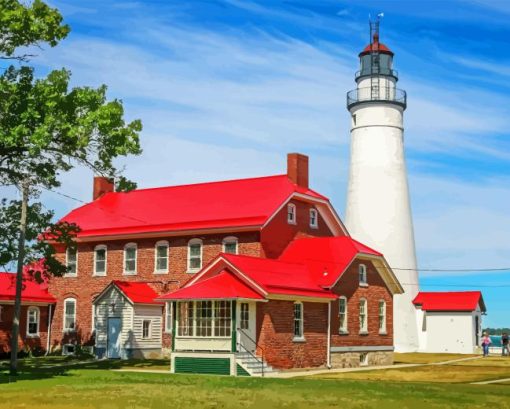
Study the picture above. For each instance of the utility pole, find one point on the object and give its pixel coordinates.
(19, 278)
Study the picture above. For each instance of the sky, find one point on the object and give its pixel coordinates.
(225, 88)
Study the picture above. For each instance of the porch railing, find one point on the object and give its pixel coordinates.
(257, 347)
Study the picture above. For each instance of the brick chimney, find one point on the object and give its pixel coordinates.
(102, 185)
(297, 169)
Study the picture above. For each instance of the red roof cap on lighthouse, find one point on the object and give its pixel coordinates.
(376, 46)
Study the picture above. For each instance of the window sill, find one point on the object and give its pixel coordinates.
(69, 331)
(363, 284)
(160, 272)
(314, 227)
(383, 333)
(99, 275)
(129, 273)
(343, 332)
(193, 271)
(32, 335)
(292, 223)
(70, 275)
(363, 333)
(298, 339)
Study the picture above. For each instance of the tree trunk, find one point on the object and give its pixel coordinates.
(19, 279)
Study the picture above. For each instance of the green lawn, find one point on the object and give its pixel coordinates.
(92, 385)
(421, 358)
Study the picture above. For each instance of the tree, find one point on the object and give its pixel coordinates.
(23, 25)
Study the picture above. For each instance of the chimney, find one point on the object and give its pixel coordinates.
(102, 185)
(297, 169)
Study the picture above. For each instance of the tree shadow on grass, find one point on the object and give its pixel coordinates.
(50, 367)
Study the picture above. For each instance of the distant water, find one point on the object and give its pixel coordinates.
(496, 340)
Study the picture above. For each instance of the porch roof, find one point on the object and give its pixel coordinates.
(32, 291)
(221, 286)
(136, 292)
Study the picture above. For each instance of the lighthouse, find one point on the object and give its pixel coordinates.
(378, 210)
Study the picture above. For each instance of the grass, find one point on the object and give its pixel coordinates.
(420, 358)
(92, 385)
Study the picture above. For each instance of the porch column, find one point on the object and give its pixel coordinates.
(234, 326)
(174, 326)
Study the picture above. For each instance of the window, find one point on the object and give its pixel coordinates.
(168, 317)
(161, 257)
(354, 120)
(382, 317)
(245, 316)
(130, 258)
(342, 315)
(72, 261)
(363, 316)
(194, 255)
(298, 321)
(204, 319)
(68, 349)
(100, 260)
(146, 329)
(230, 245)
(69, 314)
(291, 213)
(314, 221)
(362, 269)
(33, 321)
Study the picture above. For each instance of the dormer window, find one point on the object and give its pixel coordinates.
(291, 213)
(362, 269)
(314, 221)
(130, 251)
(72, 262)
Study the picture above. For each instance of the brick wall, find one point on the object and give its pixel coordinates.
(276, 236)
(85, 286)
(23, 340)
(376, 290)
(275, 329)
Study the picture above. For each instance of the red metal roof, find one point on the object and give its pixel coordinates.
(224, 285)
(138, 293)
(450, 301)
(232, 203)
(326, 257)
(31, 292)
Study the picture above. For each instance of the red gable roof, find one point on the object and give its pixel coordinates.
(326, 257)
(222, 286)
(450, 301)
(233, 203)
(137, 293)
(31, 292)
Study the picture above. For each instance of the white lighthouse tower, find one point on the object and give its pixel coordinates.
(378, 208)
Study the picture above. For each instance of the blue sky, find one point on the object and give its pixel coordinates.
(226, 88)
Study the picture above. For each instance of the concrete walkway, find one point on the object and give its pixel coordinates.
(293, 374)
(489, 382)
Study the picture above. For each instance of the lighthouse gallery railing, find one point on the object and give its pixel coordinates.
(388, 94)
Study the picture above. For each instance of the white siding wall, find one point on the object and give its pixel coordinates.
(154, 313)
(123, 309)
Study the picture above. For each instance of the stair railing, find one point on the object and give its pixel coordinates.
(257, 346)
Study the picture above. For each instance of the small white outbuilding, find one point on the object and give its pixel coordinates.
(449, 322)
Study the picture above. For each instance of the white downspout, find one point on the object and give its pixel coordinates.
(328, 351)
(49, 329)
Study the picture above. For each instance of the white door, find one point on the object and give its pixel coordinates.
(246, 326)
(113, 338)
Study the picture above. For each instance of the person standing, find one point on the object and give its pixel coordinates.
(504, 345)
(486, 341)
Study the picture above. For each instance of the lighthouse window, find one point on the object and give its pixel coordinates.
(291, 213)
(354, 119)
(313, 218)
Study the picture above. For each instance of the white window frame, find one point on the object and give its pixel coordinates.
(230, 240)
(291, 213)
(96, 249)
(126, 247)
(314, 218)
(345, 328)
(215, 320)
(362, 274)
(301, 321)
(168, 318)
(161, 243)
(65, 315)
(149, 332)
(68, 274)
(191, 243)
(244, 316)
(363, 325)
(38, 321)
(382, 317)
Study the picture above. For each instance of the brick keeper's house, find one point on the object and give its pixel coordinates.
(233, 277)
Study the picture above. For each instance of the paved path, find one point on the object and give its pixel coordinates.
(489, 382)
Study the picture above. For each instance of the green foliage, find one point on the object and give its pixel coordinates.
(46, 128)
(39, 254)
(23, 25)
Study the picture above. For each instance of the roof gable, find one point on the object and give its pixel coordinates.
(134, 292)
(232, 203)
